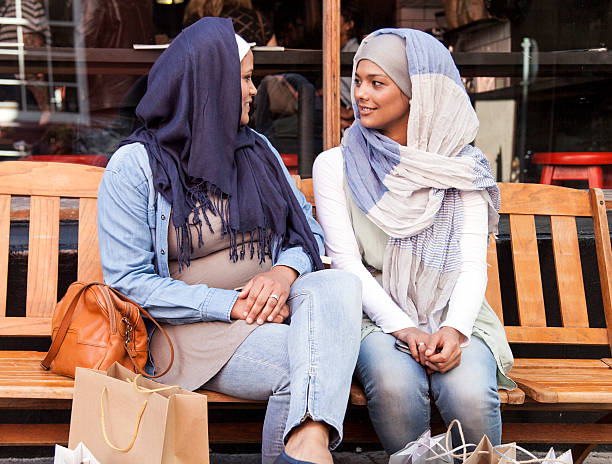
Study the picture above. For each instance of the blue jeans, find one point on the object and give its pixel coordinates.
(398, 391)
(303, 369)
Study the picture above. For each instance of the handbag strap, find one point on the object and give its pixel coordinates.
(63, 329)
(146, 313)
(65, 324)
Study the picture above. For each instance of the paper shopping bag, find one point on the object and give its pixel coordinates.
(486, 453)
(79, 455)
(424, 450)
(565, 458)
(124, 418)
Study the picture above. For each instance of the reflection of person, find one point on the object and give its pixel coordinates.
(349, 42)
(33, 12)
(35, 34)
(110, 24)
(196, 204)
(248, 22)
(407, 195)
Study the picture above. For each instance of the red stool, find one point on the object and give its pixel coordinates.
(291, 162)
(594, 167)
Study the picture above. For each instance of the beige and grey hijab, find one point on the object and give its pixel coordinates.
(412, 192)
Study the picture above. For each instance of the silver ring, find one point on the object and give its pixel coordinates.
(276, 297)
(421, 344)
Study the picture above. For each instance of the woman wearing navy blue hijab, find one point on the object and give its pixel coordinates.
(201, 224)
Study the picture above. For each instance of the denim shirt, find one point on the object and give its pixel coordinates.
(133, 235)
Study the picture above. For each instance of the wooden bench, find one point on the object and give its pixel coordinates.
(566, 383)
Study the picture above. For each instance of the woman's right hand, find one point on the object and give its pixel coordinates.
(416, 340)
(240, 306)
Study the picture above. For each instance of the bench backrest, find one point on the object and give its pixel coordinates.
(522, 203)
(45, 183)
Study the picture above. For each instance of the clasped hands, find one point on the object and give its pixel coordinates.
(438, 352)
(264, 297)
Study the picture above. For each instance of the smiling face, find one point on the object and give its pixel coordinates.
(246, 84)
(381, 103)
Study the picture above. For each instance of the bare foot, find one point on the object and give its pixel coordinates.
(310, 442)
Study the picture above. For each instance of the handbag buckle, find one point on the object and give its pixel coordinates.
(129, 328)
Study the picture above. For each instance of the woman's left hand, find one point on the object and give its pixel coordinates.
(443, 351)
(261, 306)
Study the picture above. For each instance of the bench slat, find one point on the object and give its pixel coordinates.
(34, 434)
(520, 363)
(557, 335)
(250, 432)
(5, 228)
(89, 266)
(493, 292)
(604, 255)
(68, 180)
(569, 271)
(43, 254)
(544, 389)
(533, 199)
(556, 433)
(25, 326)
(529, 296)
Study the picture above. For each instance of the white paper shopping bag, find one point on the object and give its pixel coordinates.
(565, 458)
(79, 455)
(424, 450)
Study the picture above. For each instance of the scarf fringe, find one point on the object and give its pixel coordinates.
(204, 200)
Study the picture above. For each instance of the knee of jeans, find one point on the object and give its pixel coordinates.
(383, 387)
(477, 398)
(345, 288)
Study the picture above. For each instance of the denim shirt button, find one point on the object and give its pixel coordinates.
(162, 252)
(163, 217)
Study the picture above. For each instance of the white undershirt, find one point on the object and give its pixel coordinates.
(341, 245)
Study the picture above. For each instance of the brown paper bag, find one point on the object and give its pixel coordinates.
(143, 422)
(485, 453)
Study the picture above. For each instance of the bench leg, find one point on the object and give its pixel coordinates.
(581, 452)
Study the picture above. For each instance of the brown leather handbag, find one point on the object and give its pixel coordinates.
(94, 326)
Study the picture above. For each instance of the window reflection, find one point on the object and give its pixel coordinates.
(70, 79)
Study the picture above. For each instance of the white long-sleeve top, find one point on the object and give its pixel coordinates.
(341, 245)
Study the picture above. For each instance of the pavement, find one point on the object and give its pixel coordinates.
(370, 457)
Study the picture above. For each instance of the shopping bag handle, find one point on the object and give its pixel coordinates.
(451, 452)
(134, 435)
(134, 383)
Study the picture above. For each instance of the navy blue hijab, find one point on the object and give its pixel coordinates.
(200, 154)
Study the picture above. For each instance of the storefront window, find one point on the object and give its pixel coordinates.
(538, 72)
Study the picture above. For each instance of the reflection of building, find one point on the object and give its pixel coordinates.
(24, 23)
(567, 103)
(41, 93)
(564, 104)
